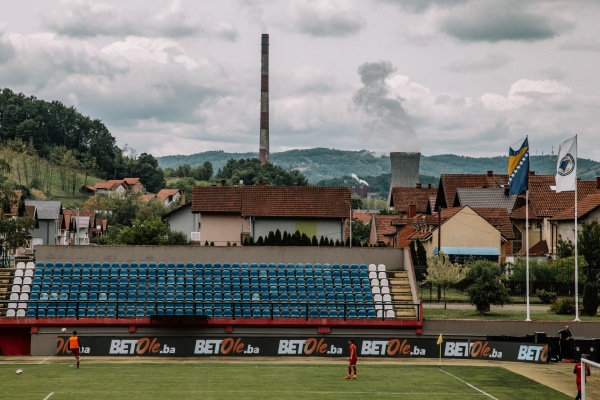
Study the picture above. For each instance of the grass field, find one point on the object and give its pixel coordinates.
(245, 381)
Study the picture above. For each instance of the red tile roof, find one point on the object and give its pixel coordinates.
(72, 214)
(546, 203)
(384, 227)
(296, 201)
(164, 194)
(450, 182)
(499, 219)
(539, 248)
(273, 201)
(362, 216)
(403, 197)
(110, 185)
(217, 199)
(31, 211)
(131, 181)
(147, 198)
(584, 207)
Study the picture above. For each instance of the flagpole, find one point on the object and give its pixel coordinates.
(527, 252)
(576, 255)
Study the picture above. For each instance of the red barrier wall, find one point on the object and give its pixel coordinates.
(15, 341)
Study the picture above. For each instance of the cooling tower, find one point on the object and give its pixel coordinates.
(405, 170)
(263, 148)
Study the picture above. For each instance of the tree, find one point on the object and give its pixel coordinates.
(361, 233)
(565, 248)
(149, 232)
(590, 299)
(250, 171)
(487, 288)
(588, 245)
(14, 229)
(203, 172)
(443, 273)
(150, 174)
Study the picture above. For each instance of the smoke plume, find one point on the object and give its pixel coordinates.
(384, 118)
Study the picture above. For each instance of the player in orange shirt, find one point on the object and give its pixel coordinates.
(74, 345)
(352, 361)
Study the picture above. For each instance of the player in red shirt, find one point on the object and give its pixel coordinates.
(577, 372)
(352, 361)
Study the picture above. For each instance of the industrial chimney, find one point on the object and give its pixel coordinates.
(263, 148)
(405, 170)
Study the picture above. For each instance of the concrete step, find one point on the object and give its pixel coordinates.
(407, 299)
(405, 314)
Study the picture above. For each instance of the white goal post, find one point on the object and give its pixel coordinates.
(590, 384)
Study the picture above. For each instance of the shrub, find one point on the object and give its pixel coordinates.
(590, 299)
(487, 288)
(546, 297)
(563, 306)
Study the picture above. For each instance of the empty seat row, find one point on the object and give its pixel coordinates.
(216, 266)
(24, 272)
(94, 289)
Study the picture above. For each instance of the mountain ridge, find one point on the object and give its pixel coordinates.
(321, 163)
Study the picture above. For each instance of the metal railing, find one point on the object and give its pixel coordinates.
(227, 309)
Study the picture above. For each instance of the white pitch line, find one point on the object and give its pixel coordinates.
(45, 359)
(468, 384)
(47, 397)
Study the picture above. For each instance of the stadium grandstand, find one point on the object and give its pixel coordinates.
(211, 288)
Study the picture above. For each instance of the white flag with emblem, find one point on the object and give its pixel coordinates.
(566, 166)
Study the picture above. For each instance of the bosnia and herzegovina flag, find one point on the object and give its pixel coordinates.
(518, 168)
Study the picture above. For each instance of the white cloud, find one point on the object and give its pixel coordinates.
(325, 18)
(477, 64)
(86, 18)
(183, 77)
(583, 44)
(507, 20)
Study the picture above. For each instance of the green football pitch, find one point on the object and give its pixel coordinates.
(247, 380)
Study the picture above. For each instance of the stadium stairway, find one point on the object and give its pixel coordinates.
(401, 293)
(6, 279)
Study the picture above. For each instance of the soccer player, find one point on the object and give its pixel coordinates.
(74, 345)
(577, 372)
(352, 360)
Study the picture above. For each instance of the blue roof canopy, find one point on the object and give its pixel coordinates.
(469, 251)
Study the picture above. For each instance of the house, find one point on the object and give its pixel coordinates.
(49, 216)
(480, 240)
(79, 225)
(113, 187)
(588, 209)
(495, 197)
(229, 214)
(116, 187)
(181, 219)
(413, 200)
(544, 206)
(170, 196)
(135, 185)
(449, 183)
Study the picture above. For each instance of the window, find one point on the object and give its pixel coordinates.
(518, 241)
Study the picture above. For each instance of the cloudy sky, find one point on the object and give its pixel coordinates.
(467, 77)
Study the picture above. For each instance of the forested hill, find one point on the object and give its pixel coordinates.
(323, 164)
(63, 136)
